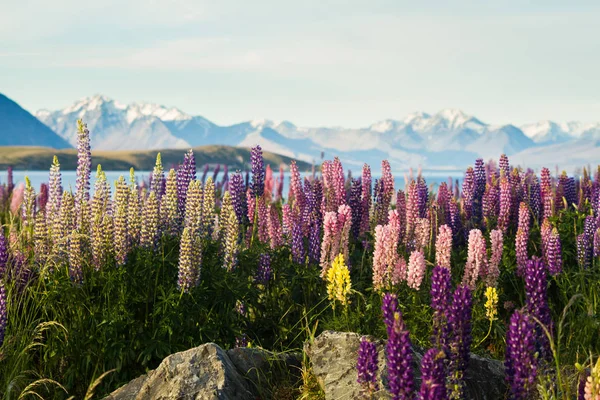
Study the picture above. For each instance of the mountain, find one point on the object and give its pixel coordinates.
(20, 128)
(447, 139)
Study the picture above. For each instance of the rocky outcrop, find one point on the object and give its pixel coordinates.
(333, 359)
(208, 372)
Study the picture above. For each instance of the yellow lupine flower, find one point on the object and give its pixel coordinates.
(338, 281)
(491, 305)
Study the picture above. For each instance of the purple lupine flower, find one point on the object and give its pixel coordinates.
(216, 172)
(479, 183)
(535, 199)
(505, 204)
(365, 199)
(521, 364)
(264, 271)
(241, 341)
(516, 192)
(185, 174)
(84, 170)
(423, 195)
(54, 191)
(546, 192)
(554, 253)
(399, 360)
(571, 191)
(433, 375)
(76, 258)
(389, 306)
(314, 242)
(275, 232)
(455, 220)
(366, 366)
(298, 252)
(443, 198)
(297, 193)
(3, 312)
(536, 282)
(241, 309)
(441, 294)
(563, 181)
(258, 172)
(459, 319)
(583, 251)
(205, 173)
(3, 254)
(354, 201)
(238, 197)
(468, 188)
(581, 385)
(491, 201)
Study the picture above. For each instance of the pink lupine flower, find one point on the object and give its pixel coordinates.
(330, 230)
(344, 226)
(545, 232)
(505, 204)
(476, 259)
(339, 183)
(379, 257)
(493, 271)
(416, 269)
(263, 219)
(546, 190)
(298, 200)
(401, 209)
(287, 220)
(399, 271)
(251, 203)
(422, 233)
(443, 247)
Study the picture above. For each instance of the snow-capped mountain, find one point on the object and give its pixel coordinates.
(449, 138)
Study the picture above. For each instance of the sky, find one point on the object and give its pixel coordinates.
(313, 62)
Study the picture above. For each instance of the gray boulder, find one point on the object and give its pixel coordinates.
(333, 359)
(204, 372)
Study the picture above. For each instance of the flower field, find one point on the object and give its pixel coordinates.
(98, 287)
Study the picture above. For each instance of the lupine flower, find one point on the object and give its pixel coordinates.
(75, 258)
(264, 272)
(459, 319)
(134, 211)
(443, 247)
(536, 283)
(240, 308)
(366, 366)
(554, 253)
(40, 239)
(468, 188)
(149, 228)
(441, 286)
(522, 238)
(10, 183)
(190, 259)
(298, 199)
(399, 360)
(28, 211)
(64, 224)
(314, 242)
(379, 256)
(491, 303)
(169, 207)
(455, 221)
(521, 363)
(423, 195)
(208, 208)
(365, 198)
(591, 388)
(581, 386)
(354, 201)
(16, 200)
(54, 193)
(230, 232)
(241, 341)
(503, 165)
(42, 200)
(275, 232)
(258, 172)
(433, 375)
(389, 306)
(338, 282)
(4, 313)
(286, 220)
(493, 270)
(238, 197)
(263, 219)
(298, 251)
(101, 229)
(121, 233)
(422, 233)
(156, 184)
(384, 190)
(535, 199)
(84, 170)
(3, 255)
(412, 210)
(401, 210)
(583, 251)
(476, 264)
(338, 183)
(505, 204)
(185, 174)
(416, 269)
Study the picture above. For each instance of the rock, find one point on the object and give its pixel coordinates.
(265, 369)
(333, 359)
(204, 372)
